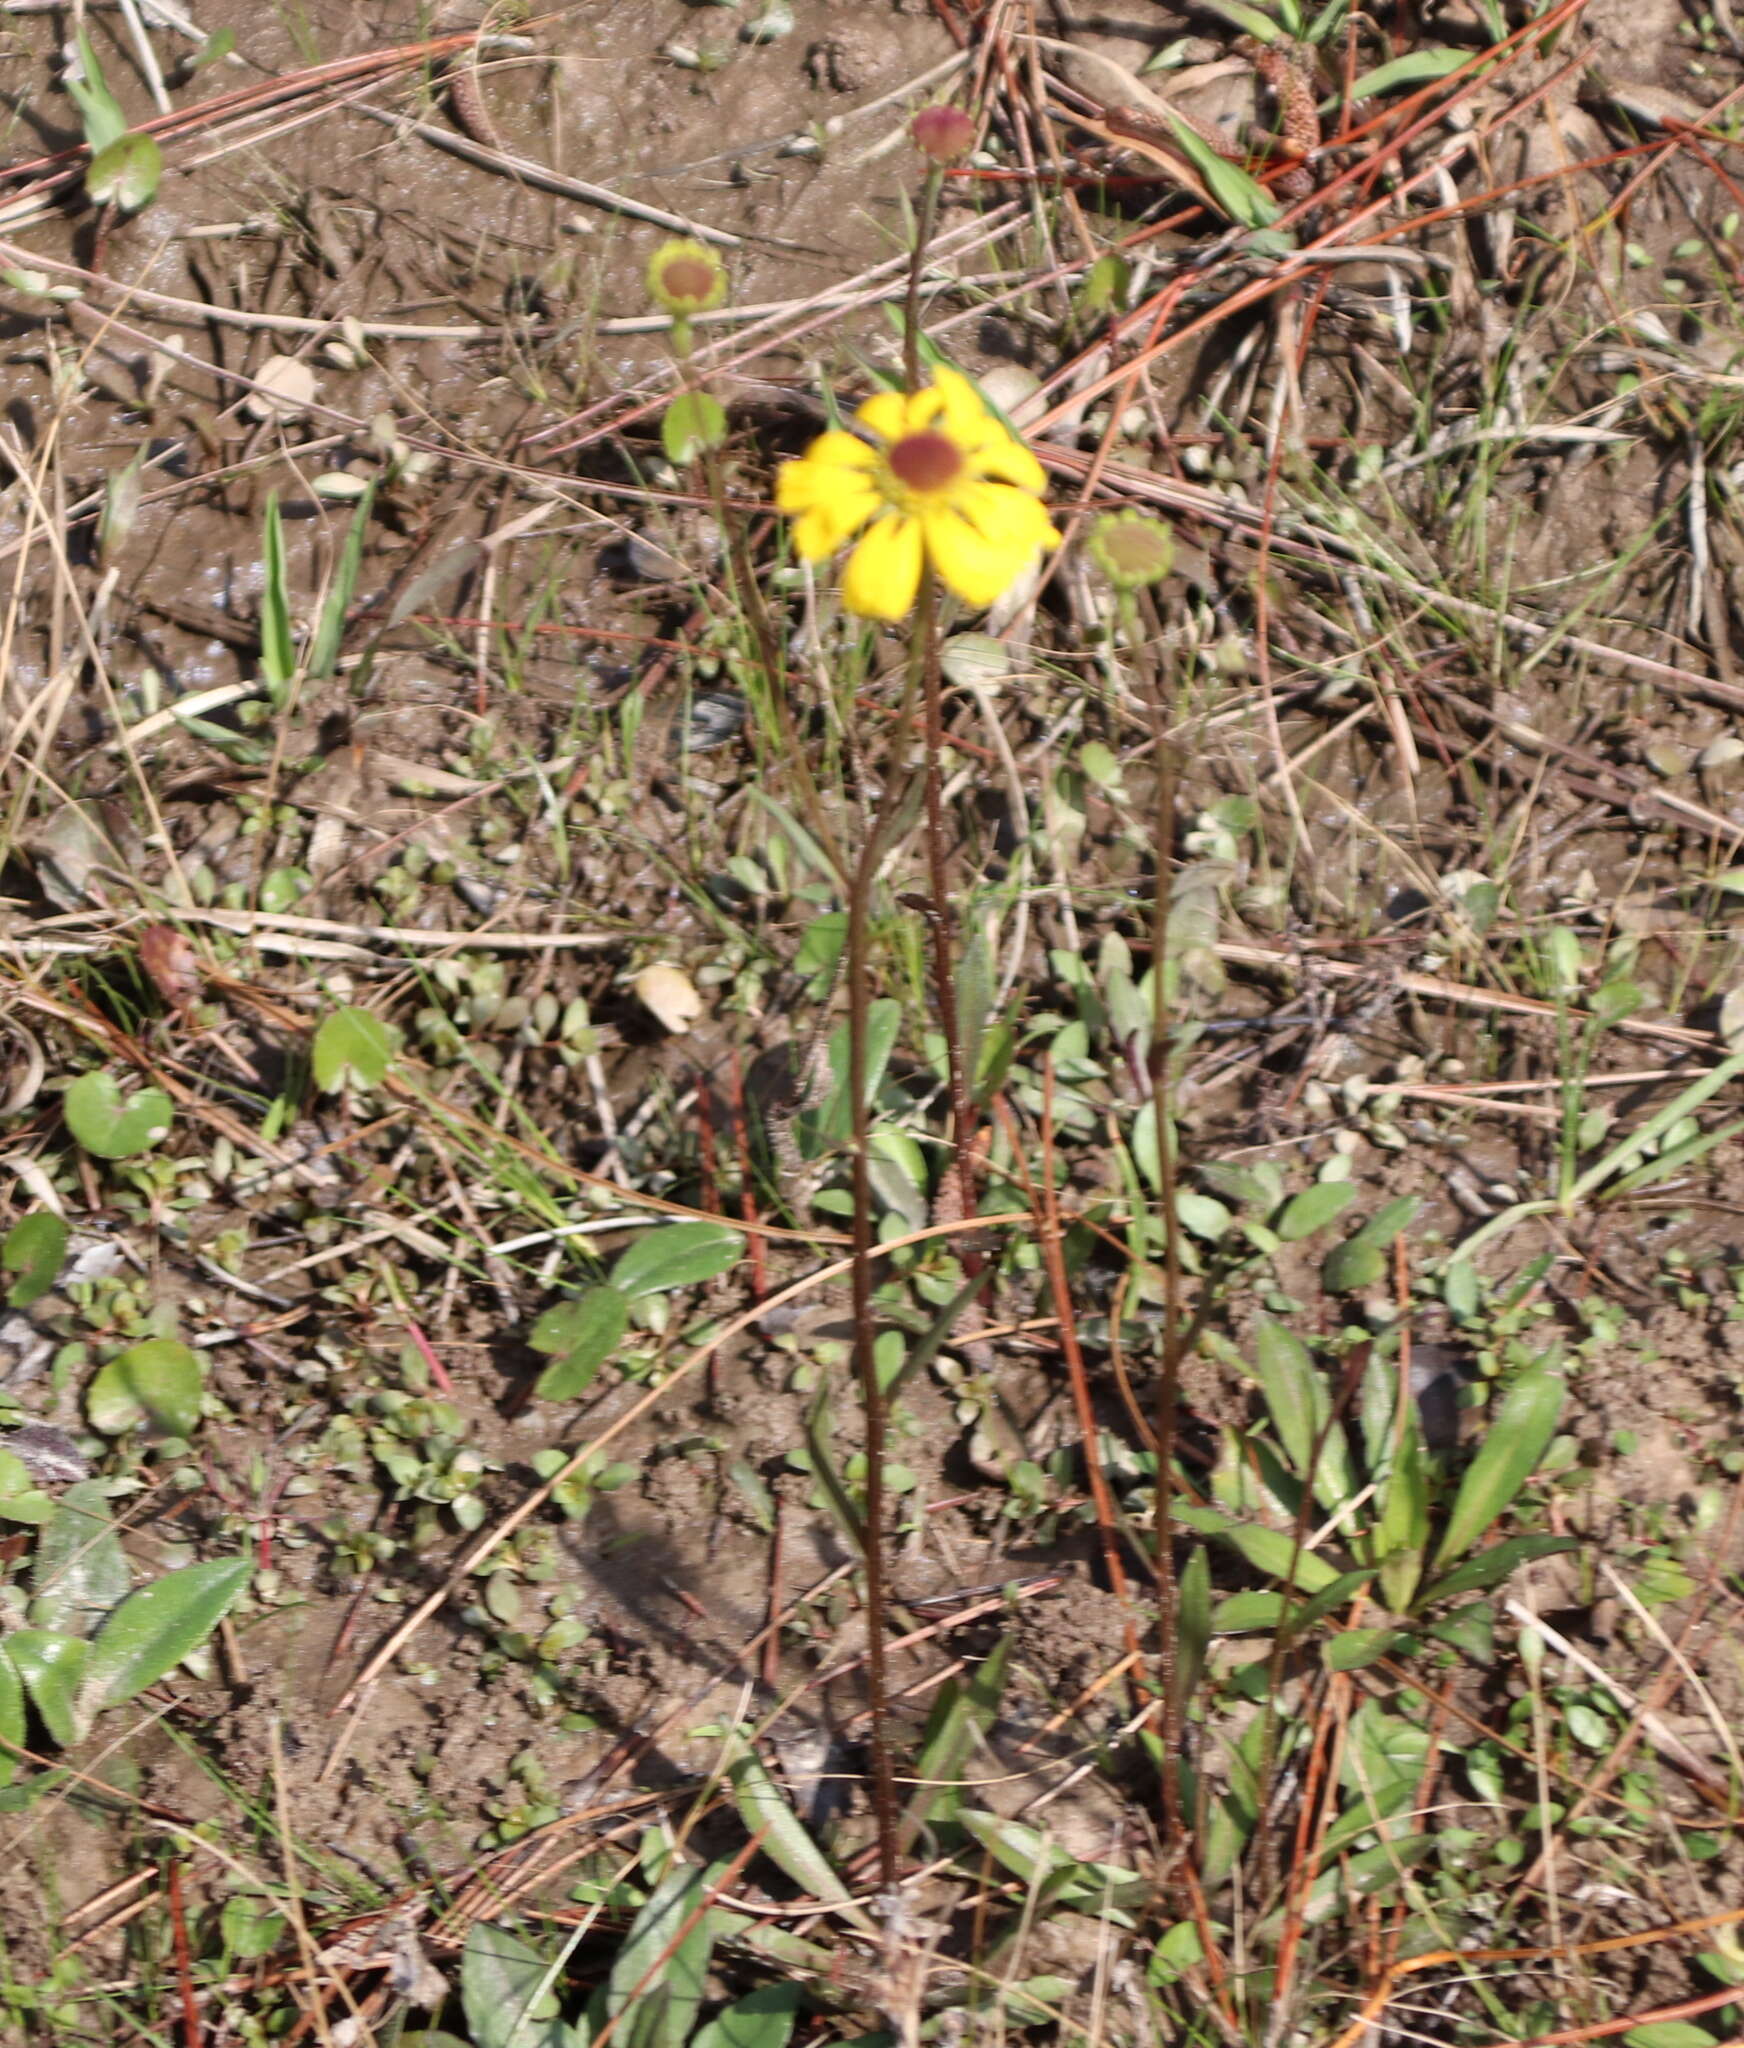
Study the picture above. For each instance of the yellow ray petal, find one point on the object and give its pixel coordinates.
(1007, 517)
(821, 529)
(883, 575)
(842, 448)
(980, 570)
(965, 412)
(1011, 462)
(885, 414)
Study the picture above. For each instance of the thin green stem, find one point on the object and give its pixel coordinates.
(923, 234)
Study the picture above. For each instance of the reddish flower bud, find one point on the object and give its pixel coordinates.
(945, 134)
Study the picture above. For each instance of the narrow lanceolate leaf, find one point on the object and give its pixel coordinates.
(1192, 1624)
(1490, 1567)
(1516, 1439)
(1243, 198)
(278, 655)
(764, 1810)
(1301, 1411)
(1416, 67)
(154, 1629)
(324, 648)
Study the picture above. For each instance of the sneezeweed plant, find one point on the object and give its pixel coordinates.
(685, 278)
(939, 484)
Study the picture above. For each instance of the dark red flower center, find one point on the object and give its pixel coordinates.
(926, 462)
(688, 278)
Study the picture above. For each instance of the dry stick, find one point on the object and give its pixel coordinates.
(1613, 1944)
(1436, 989)
(495, 1538)
(530, 173)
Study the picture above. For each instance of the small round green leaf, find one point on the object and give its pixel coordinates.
(694, 422)
(156, 1384)
(127, 172)
(351, 1046)
(110, 1127)
(677, 1255)
(34, 1249)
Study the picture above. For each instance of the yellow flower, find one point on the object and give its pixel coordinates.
(942, 482)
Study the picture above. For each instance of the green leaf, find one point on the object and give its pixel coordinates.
(1354, 1647)
(19, 1500)
(1244, 199)
(579, 1336)
(505, 1991)
(351, 1047)
(157, 1383)
(1350, 1267)
(1028, 1854)
(250, 1926)
(1314, 1208)
(1267, 1550)
(127, 173)
(213, 50)
(1669, 2034)
(1301, 1412)
(99, 110)
(761, 2019)
(831, 1124)
(1516, 1439)
(660, 1972)
(1490, 1567)
(278, 653)
(1471, 1630)
(694, 422)
(110, 1128)
(154, 1629)
(324, 648)
(962, 1711)
(34, 1249)
(677, 1255)
(79, 1572)
(52, 1666)
(1192, 1623)
(12, 1727)
(763, 1806)
(1416, 67)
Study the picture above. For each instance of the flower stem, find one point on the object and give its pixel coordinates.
(941, 924)
(923, 234)
(893, 804)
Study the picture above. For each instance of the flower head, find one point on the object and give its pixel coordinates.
(686, 277)
(938, 483)
(1131, 549)
(945, 134)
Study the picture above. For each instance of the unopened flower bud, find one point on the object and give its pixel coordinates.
(944, 134)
